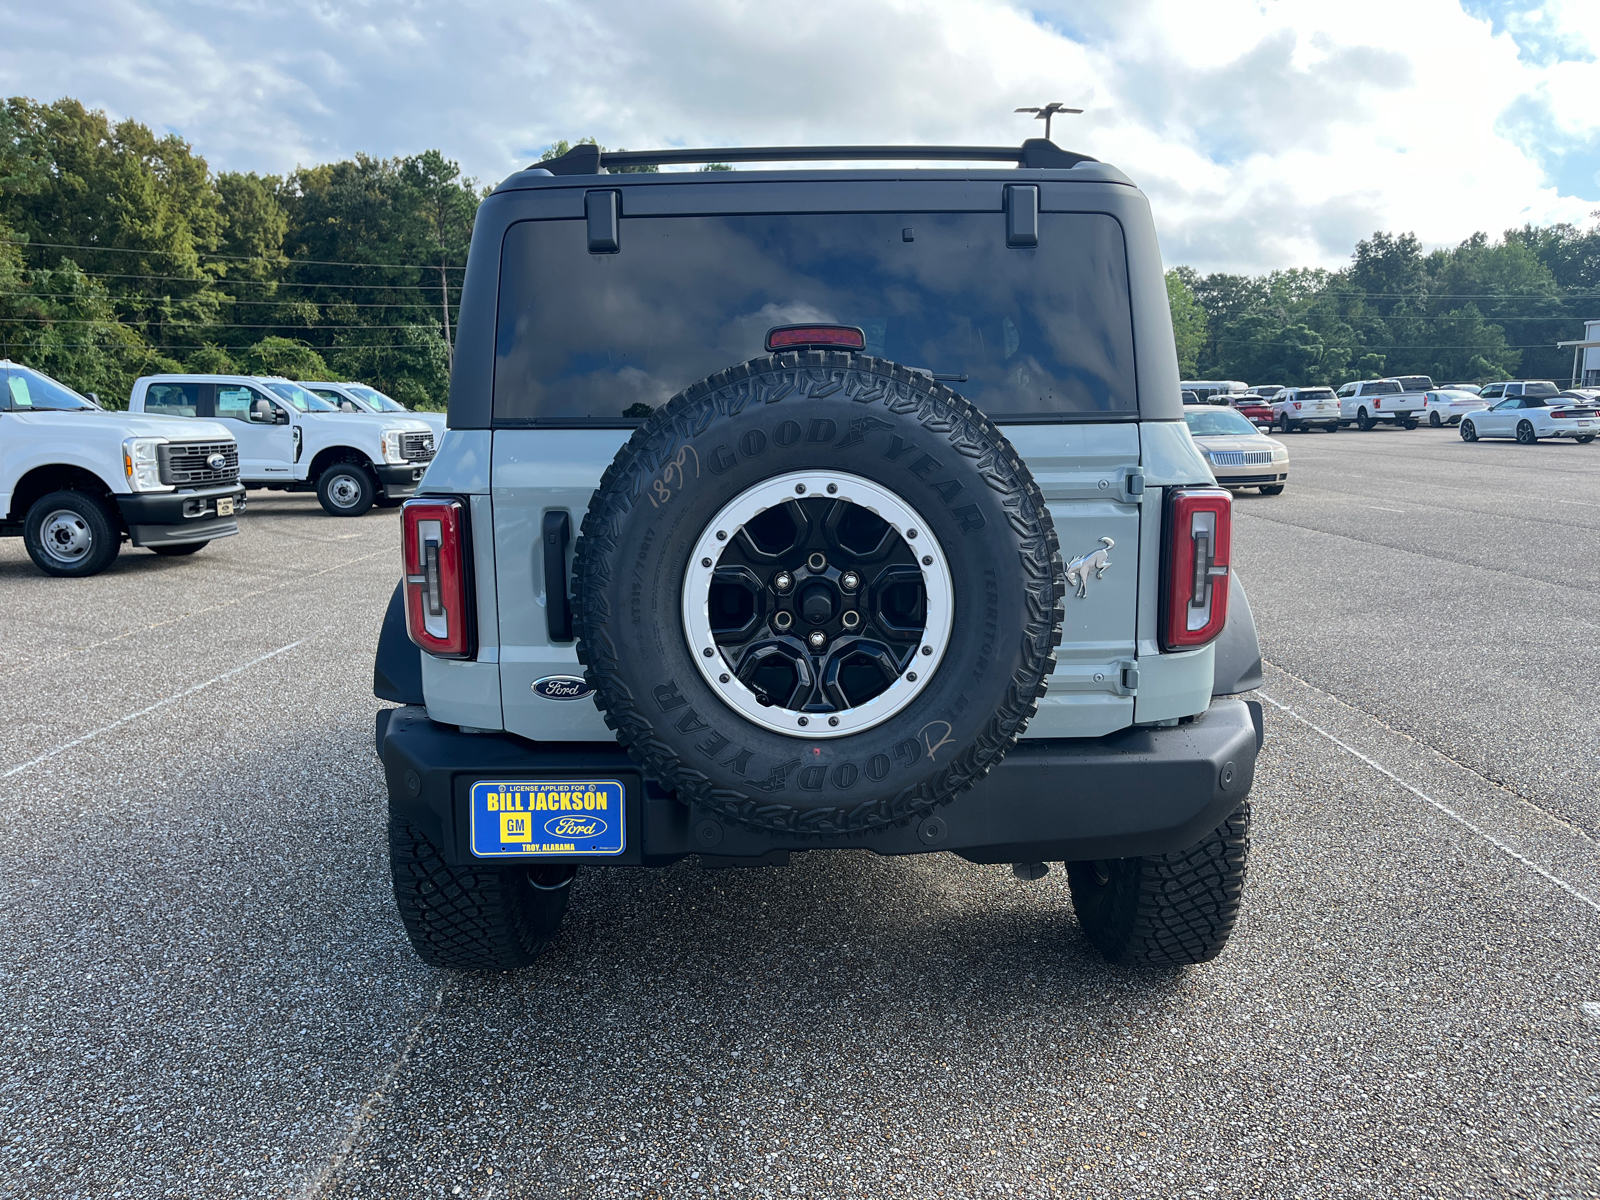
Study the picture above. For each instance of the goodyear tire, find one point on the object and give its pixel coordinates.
(1167, 909)
(761, 487)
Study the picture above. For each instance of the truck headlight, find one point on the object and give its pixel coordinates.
(393, 452)
(140, 465)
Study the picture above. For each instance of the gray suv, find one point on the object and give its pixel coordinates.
(799, 509)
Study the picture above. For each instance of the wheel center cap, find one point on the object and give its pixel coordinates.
(816, 603)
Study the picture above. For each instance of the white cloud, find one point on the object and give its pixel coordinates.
(1266, 134)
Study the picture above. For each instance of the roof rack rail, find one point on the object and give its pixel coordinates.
(1035, 152)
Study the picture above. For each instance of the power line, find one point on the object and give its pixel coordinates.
(320, 262)
(197, 324)
(209, 282)
(431, 305)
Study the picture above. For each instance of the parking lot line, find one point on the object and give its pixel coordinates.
(1288, 711)
(148, 709)
(335, 1165)
(199, 612)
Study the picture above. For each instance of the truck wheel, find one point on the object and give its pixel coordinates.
(483, 917)
(1410, 424)
(176, 551)
(346, 490)
(1525, 433)
(70, 534)
(767, 588)
(1333, 428)
(1168, 909)
(1364, 422)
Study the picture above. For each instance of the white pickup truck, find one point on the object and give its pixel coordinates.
(75, 480)
(1366, 402)
(291, 440)
(358, 397)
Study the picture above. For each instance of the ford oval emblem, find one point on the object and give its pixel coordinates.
(574, 826)
(563, 687)
(216, 462)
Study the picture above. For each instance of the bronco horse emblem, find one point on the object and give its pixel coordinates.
(1097, 561)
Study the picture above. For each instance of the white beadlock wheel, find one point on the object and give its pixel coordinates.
(835, 583)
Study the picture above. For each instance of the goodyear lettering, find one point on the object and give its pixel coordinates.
(787, 433)
(897, 446)
(668, 696)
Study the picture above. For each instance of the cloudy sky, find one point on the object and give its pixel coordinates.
(1268, 133)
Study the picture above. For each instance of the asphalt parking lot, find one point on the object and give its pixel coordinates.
(206, 992)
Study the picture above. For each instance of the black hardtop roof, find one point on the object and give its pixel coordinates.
(1036, 155)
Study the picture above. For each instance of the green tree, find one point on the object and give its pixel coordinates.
(284, 356)
(1188, 321)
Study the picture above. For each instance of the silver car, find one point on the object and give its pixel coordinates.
(1239, 455)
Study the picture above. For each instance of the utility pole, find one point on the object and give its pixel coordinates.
(1047, 111)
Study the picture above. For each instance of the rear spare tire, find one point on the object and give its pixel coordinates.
(818, 593)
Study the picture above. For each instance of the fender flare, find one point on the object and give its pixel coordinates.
(397, 668)
(1238, 657)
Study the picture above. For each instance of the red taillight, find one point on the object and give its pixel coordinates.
(1559, 412)
(1296, 403)
(1377, 402)
(437, 614)
(813, 337)
(1199, 535)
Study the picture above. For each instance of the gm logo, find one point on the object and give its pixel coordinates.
(516, 827)
(562, 687)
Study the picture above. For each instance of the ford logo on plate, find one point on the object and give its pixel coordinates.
(563, 687)
(574, 827)
(216, 462)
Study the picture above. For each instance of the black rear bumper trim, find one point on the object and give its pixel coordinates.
(1136, 792)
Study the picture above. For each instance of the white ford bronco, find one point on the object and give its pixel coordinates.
(292, 440)
(795, 509)
(76, 480)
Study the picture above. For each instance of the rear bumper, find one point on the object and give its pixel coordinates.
(177, 518)
(1135, 792)
(400, 482)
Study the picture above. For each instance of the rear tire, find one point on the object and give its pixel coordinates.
(1364, 422)
(1168, 909)
(1469, 431)
(1433, 419)
(179, 551)
(1585, 439)
(482, 917)
(1525, 434)
(1334, 428)
(70, 535)
(1411, 424)
(346, 489)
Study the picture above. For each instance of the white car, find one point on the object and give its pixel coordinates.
(76, 480)
(1366, 402)
(1306, 408)
(291, 440)
(358, 397)
(1447, 407)
(1238, 454)
(1529, 418)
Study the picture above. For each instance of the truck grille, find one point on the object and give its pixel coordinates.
(417, 447)
(183, 464)
(1241, 458)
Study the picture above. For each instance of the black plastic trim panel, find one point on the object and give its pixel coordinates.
(1139, 791)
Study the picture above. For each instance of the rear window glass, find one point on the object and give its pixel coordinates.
(1038, 333)
(1415, 383)
(1315, 394)
(1540, 389)
(1384, 387)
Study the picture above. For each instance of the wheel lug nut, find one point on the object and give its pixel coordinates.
(849, 581)
(783, 581)
(816, 639)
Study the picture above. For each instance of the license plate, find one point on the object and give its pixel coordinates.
(520, 818)
(225, 506)
(1583, 424)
